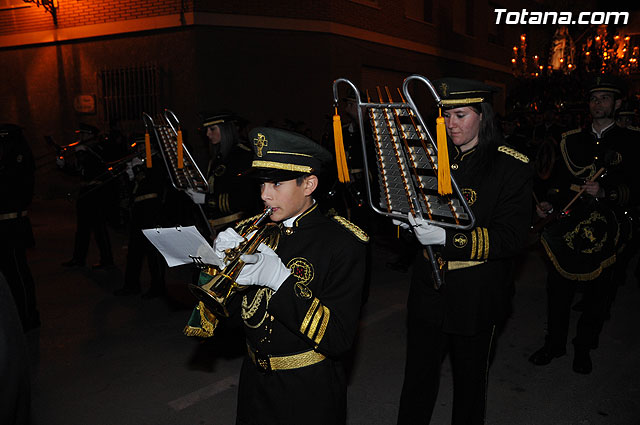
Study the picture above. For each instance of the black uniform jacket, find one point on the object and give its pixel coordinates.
(231, 196)
(316, 308)
(585, 241)
(478, 281)
(17, 170)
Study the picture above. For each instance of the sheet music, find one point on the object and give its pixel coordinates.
(180, 245)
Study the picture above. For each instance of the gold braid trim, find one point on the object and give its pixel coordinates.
(358, 232)
(323, 326)
(485, 254)
(208, 323)
(514, 153)
(282, 166)
(474, 244)
(583, 172)
(248, 310)
(314, 323)
(309, 314)
(577, 276)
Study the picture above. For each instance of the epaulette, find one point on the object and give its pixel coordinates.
(355, 230)
(243, 223)
(244, 147)
(514, 153)
(570, 132)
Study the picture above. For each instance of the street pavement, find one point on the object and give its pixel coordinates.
(106, 360)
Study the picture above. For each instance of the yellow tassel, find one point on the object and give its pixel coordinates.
(341, 157)
(444, 174)
(147, 148)
(180, 158)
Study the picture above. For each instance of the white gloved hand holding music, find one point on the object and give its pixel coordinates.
(228, 239)
(263, 268)
(427, 234)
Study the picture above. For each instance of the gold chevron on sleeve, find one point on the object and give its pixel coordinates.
(309, 315)
(474, 244)
(485, 234)
(479, 243)
(314, 323)
(323, 326)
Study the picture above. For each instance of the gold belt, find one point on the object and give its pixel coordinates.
(9, 216)
(145, 197)
(293, 361)
(455, 265)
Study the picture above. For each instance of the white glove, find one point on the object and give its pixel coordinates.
(402, 224)
(426, 233)
(228, 239)
(196, 197)
(264, 269)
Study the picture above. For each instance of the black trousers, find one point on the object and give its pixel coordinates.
(91, 217)
(427, 346)
(138, 249)
(597, 295)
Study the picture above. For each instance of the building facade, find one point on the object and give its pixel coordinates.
(67, 62)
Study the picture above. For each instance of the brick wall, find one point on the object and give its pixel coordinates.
(72, 13)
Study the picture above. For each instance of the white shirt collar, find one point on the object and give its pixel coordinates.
(599, 133)
(289, 222)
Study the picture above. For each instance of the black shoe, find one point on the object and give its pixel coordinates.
(544, 356)
(582, 362)
(153, 293)
(126, 290)
(73, 263)
(102, 266)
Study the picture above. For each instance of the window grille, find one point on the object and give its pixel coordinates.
(128, 92)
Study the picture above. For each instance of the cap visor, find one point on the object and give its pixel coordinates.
(271, 174)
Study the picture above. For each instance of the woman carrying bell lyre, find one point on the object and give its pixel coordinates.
(460, 318)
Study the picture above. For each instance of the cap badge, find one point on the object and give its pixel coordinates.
(444, 89)
(260, 142)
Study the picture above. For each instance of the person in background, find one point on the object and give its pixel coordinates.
(17, 179)
(581, 244)
(229, 198)
(461, 317)
(147, 211)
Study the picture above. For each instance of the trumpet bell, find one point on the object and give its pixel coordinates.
(216, 287)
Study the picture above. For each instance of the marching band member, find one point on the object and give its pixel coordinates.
(300, 310)
(462, 315)
(581, 245)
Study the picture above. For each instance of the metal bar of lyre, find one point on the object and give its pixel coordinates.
(188, 177)
(406, 161)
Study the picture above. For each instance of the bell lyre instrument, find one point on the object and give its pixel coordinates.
(406, 162)
(217, 291)
(181, 167)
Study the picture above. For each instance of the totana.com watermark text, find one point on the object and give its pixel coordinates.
(567, 18)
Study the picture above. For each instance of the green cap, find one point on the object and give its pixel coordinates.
(218, 118)
(458, 92)
(284, 155)
(605, 82)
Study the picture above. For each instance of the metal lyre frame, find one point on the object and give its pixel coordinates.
(187, 177)
(406, 161)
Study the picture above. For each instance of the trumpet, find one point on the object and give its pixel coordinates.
(216, 292)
